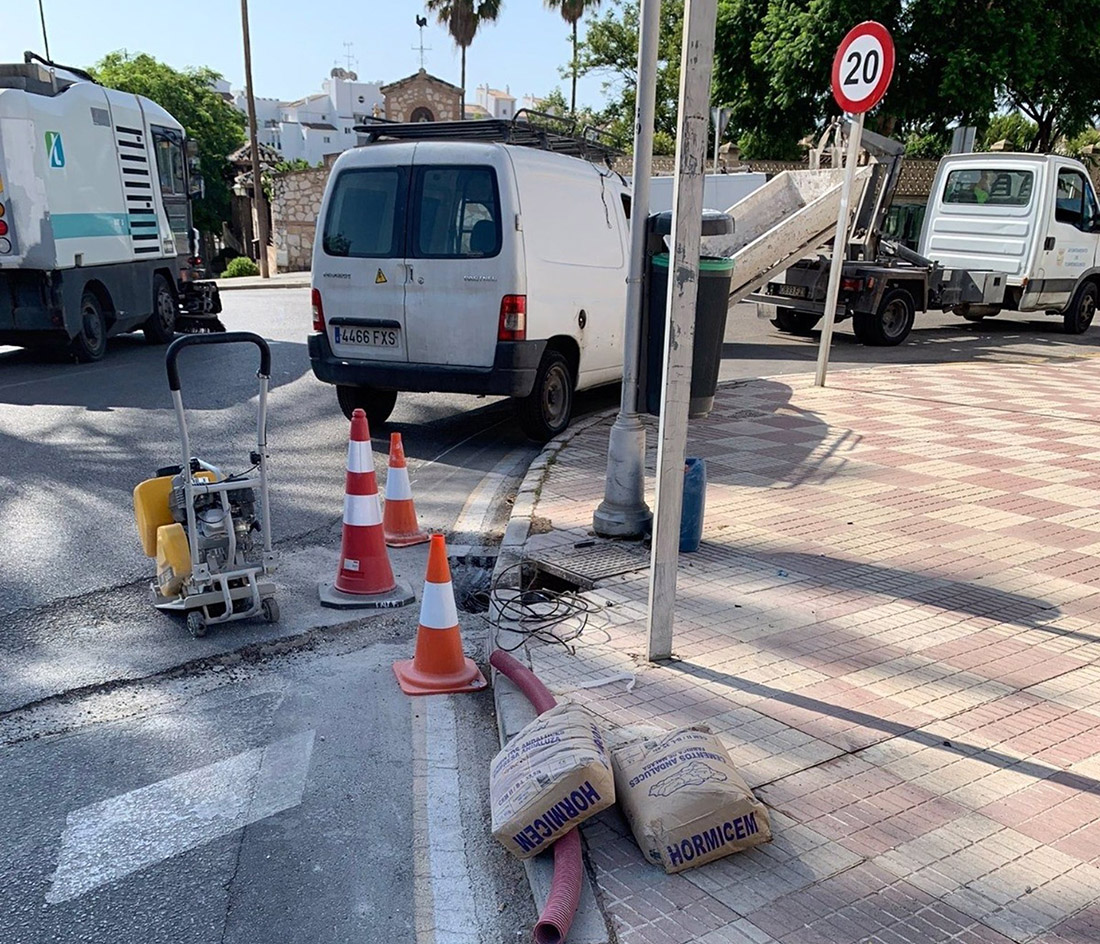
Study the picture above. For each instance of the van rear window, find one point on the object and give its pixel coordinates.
(365, 214)
(456, 212)
(989, 185)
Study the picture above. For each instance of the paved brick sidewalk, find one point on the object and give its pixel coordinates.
(893, 625)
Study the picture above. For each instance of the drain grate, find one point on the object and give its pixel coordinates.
(586, 566)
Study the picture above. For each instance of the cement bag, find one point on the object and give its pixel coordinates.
(550, 777)
(685, 802)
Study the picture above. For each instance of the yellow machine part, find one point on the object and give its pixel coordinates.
(173, 558)
(151, 507)
(151, 510)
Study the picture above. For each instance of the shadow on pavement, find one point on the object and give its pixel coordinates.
(989, 756)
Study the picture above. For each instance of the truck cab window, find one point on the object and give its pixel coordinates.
(170, 161)
(1074, 201)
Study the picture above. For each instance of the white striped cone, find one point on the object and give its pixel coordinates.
(438, 665)
(399, 522)
(364, 566)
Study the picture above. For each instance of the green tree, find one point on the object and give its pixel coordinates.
(1018, 133)
(463, 18)
(610, 50)
(1051, 73)
(189, 97)
(571, 12)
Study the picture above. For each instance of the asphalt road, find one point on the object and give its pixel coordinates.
(139, 766)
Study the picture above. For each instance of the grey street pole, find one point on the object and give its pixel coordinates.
(623, 513)
(257, 181)
(840, 244)
(697, 58)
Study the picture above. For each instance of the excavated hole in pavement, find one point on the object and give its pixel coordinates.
(472, 576)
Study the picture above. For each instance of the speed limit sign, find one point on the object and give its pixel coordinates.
(863, 67)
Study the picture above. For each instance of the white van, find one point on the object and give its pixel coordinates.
(1032, 217)
(469, 267)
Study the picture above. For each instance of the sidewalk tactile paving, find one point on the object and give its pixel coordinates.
(893, 624)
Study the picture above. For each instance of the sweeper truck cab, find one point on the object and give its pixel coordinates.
(95, 215)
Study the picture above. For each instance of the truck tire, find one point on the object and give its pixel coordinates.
(549, 408)
(161, 326)
(891, 324)
(90, 343)
(1082, 311)
(377, 404)
(794, 322)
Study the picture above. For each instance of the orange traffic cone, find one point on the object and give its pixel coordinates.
(399, 522)
(438, 666)
(364, 577)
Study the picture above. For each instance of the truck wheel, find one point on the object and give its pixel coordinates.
(795, 322)
(893, 321)
(1081, 313)
(548, 409)
(377, 404)
(161, 326)
(90, 343)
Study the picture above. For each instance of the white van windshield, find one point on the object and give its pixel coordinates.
(989, 185)
(365, 214)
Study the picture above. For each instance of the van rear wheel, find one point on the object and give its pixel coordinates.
(549, 407)
(377, 404)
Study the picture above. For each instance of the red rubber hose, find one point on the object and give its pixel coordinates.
(565, 888)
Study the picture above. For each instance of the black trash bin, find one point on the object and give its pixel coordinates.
(711, 306)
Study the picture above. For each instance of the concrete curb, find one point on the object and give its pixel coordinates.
(513, 710)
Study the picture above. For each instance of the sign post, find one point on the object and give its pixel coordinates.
(862, 69)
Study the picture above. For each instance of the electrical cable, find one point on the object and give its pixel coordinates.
(538, 614)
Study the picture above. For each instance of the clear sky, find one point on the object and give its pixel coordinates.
(295, 43)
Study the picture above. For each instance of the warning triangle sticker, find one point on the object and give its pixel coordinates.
(380, 278)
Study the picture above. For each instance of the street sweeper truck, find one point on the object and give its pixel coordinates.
(96, 237)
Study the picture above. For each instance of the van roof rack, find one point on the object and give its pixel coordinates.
(527, 129)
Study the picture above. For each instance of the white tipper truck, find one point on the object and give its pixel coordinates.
(95, 215)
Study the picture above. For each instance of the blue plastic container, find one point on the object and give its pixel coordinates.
(695, 504)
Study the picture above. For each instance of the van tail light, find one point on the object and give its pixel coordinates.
(513, 318)
(318, 311)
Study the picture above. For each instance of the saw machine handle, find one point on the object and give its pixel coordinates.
(228, 337)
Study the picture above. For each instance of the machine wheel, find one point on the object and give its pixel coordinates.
(1081, 313)
(893, 321)
(196, 624)
(161, 326)
(90, 344)
(377, 404)
(549, 407)
(271, 610)
(795, 322)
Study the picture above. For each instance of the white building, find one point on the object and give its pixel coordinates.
(497, 104)
(319, 124)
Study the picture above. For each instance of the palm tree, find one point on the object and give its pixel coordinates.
(571, 12)
(462, 19)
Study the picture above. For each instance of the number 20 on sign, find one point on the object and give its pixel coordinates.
(863, 67)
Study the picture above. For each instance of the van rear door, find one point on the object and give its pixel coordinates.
(360, 270)
(461, 259)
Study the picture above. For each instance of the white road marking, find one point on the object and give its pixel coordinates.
(124, 834)
(445, 911)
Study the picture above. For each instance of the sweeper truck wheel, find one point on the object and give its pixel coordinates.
(271, 610)
(196, 624)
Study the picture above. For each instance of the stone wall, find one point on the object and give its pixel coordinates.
(295, 205)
